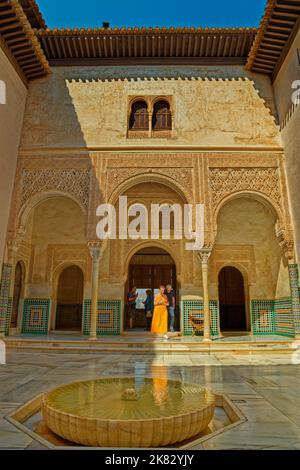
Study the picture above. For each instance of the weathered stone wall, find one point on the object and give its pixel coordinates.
(290, 122)
(75, 144)
(89, 106)
(11, 119)
(289, 72)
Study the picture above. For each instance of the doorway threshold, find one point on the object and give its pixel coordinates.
(66, 332)
(137, 331)
(227, 334)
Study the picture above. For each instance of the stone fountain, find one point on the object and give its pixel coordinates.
(120, 412)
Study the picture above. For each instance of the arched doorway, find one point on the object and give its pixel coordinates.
(70, 299)
(18, 293)
(232, 300)
(148, 269)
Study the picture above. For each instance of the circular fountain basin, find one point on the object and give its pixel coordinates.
(128, 411)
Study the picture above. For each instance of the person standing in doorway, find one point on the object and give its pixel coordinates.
(131, 303)
(149, 306)
(160, 314)
(171, 307)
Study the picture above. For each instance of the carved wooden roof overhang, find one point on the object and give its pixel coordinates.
(33, 13)
(19, 42)
(276, 33)
(165, 46)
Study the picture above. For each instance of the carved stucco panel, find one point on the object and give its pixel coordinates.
(75, 182)
(181, 177)
(227, 181)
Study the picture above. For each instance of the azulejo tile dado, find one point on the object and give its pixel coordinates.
(108, 317)
(195, 308)
(5, 300)
(36, 316)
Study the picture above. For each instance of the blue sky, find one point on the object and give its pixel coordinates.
(204, 13)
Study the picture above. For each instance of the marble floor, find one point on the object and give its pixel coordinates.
(264, 387)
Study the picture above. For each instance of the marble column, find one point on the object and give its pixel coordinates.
(150, 123)
(95, 251)
(204, 257)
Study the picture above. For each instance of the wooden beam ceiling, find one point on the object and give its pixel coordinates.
(146, 45)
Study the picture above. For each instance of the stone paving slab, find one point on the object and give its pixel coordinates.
(265, 390)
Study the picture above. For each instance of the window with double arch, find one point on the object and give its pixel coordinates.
(139, 118)
(162, 119)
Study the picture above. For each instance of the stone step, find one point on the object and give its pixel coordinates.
(154, 347)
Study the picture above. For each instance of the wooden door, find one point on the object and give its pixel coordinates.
(144, 276)
(232, 299)
(70, 299)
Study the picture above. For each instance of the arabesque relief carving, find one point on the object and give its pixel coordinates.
(226, 181)
(183, 177)
(72, 181)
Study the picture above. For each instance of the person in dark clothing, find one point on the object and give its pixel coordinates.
(131, 304)
(171, 307)
(149, 306)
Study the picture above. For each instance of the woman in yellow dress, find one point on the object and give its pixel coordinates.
(160, 314)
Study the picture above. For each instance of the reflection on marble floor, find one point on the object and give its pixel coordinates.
(264, 387)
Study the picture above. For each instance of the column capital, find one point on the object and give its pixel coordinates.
(96, 249)
(204, 256)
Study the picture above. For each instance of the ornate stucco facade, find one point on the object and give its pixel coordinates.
(224, 151)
